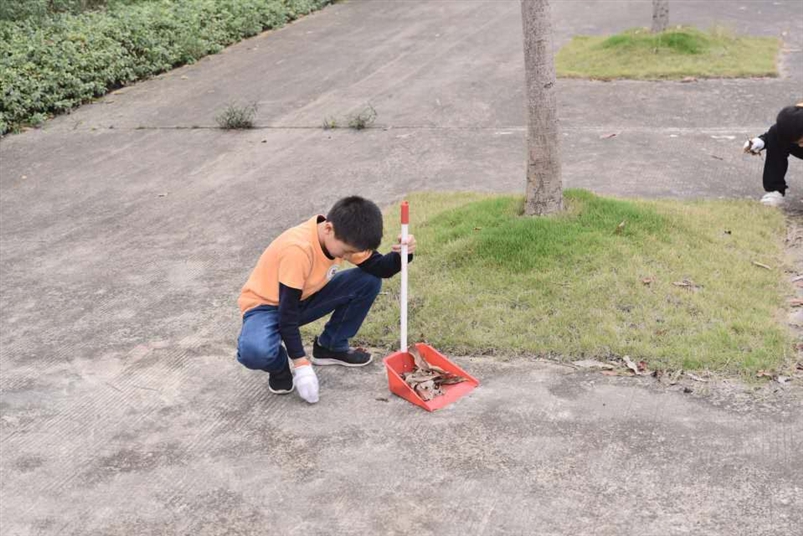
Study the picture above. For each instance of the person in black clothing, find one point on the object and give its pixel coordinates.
(783, 138)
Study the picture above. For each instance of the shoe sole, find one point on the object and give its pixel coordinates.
(323, 362)
(281, 392)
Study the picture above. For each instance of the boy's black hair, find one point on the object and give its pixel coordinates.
(357, 222)
(790, 124)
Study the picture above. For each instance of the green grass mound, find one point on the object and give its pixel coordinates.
(674, 285)
(676, 53)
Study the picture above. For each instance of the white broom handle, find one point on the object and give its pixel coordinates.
(405, 222)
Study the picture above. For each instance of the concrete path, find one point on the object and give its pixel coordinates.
(125, 235)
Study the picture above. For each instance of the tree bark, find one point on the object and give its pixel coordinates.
(544, 192)
(660, 15)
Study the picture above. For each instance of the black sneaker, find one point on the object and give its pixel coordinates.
(281, 383)
(354, 357)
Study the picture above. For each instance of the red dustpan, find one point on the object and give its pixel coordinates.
(400, 362)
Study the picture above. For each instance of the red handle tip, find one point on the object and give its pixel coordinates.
(405, 212)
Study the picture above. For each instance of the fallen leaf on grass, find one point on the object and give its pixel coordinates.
(687, 79)
(764, 374)
(695, 377)
(619, 228)
(687, 283)
(761, 265)
(639, 368)
(648, 280)
(629, 363)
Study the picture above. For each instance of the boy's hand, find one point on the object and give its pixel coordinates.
(410, 245)
(306, 382)
(754, 146)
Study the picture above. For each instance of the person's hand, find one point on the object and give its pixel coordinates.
(754, 146)
(410, 245)
(306, 382)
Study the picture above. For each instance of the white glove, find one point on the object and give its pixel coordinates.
(306, 383)
(754, 146)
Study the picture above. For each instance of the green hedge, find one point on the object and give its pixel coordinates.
(54, 63)
(23, 9)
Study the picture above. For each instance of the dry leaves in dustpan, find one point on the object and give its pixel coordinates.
(428, 380)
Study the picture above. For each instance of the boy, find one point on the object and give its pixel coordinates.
(296, 282)
(785, 137)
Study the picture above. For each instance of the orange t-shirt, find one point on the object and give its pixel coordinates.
(295, 259)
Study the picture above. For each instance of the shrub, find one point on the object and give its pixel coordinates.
(364, 119)
(53, 62)
(236, 117)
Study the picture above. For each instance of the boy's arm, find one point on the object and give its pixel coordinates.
(289, 300)
(304, 378)
(383, 266)
(294, 267)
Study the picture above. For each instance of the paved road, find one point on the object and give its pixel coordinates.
(126, 234)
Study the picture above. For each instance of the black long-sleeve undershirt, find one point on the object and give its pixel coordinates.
(383, 266)
(289, 315)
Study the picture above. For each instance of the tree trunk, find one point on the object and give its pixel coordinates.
(544, 194)
(660, 15)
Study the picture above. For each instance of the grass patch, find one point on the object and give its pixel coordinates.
(237, 117)
(487, 280)
(362, 119)
(330, 123)
(675, 53)
(356, 121)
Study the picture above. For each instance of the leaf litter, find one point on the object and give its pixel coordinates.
(428, 380)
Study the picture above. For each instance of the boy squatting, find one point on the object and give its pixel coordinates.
(296, 282)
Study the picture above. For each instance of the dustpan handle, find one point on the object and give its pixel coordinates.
(405, 220)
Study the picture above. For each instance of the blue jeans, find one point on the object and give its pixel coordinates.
(349, 294)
